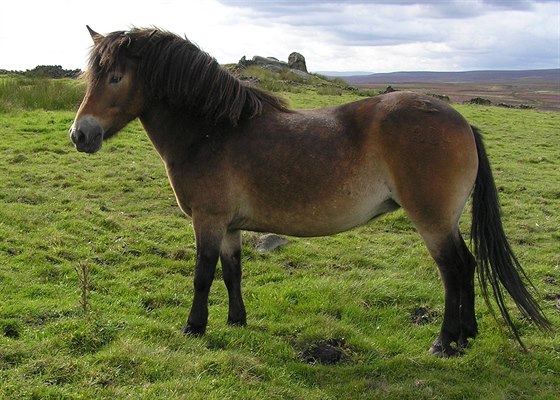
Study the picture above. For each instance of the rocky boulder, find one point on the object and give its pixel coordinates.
(297, 61)
(269, 242)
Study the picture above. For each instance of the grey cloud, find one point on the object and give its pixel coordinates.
(469, 34)
(449, 8)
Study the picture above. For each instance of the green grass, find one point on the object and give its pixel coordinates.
(115, 213)
(19, 93)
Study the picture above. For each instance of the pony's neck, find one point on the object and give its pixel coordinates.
(173, 133)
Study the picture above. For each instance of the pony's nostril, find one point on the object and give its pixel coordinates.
(77, 135)
(80, 136)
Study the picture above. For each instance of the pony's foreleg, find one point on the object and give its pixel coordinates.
(208, 242)
(230, 257)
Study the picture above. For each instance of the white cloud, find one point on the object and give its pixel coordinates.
(377, 35)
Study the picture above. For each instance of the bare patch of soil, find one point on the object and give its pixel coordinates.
(423, 316)
(331, 351)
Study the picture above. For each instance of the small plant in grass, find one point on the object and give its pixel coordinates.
(82, 270)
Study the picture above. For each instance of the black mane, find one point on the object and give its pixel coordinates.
(177, 72)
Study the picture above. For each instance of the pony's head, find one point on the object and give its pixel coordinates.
(129, 69)
(113, 96)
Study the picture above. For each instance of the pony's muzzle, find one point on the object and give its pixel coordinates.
(86, 134)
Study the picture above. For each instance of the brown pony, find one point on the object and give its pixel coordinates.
(239, 159)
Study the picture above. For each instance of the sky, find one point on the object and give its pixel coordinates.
(341, 35)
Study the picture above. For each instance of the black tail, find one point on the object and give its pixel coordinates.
(497, 264)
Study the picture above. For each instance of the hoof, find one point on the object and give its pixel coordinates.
(237, 319)
(463, 344)
(194, 330)
(439, 350)
(238, 323)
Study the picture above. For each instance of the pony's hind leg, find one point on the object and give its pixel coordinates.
(456, 266)
(469, 326)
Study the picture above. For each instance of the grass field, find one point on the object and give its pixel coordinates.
(114, 215)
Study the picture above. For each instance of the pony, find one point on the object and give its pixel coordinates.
(238, 158)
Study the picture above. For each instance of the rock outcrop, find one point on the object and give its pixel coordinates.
(296, 63)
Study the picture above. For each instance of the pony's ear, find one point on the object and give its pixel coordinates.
(94, 35)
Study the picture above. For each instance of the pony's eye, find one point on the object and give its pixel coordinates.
(115, 79)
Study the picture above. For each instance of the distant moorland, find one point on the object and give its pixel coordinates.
(535, 88)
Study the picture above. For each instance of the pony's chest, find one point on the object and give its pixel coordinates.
(198, 188)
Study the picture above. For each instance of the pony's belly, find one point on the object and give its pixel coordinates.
(322, 218)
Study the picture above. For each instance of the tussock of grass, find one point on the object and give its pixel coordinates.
(20, 93)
